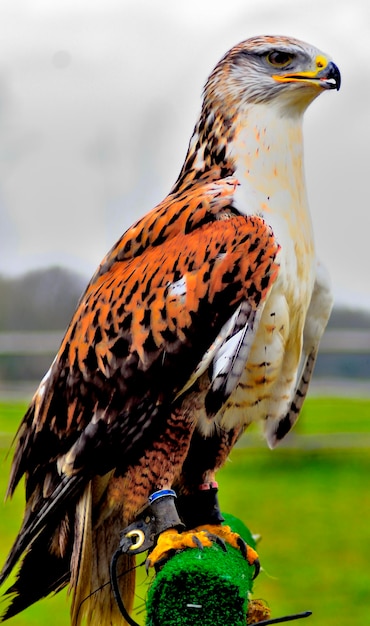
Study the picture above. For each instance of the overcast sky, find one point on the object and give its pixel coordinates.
(98, 99)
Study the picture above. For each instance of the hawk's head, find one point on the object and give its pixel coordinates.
(273, 68)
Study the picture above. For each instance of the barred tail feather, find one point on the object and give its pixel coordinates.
(275, 431)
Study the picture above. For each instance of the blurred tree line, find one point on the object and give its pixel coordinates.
(44, 300)
(39, 300)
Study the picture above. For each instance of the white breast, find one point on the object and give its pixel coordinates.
(268, 154)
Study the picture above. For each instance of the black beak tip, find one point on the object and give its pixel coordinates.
(334, 73)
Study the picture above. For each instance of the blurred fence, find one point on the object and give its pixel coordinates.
(30, 343)
(345, 340)
(41, 342)
(343, 363)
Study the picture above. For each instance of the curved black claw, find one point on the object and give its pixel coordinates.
(257, 568)
(243, 547)
(197, 542)
(159, 564)
(218, 540)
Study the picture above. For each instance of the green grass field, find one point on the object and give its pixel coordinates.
(311, 504)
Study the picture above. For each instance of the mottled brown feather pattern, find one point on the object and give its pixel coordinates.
(128, 323)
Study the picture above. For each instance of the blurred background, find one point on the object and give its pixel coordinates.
(97, 104)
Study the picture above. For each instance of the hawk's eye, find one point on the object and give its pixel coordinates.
(279, 58)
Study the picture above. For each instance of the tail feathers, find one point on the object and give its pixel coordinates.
(81, 556)
(40, 574)
(78, 553)
(99, 607)
(90, 568)
(38, 520)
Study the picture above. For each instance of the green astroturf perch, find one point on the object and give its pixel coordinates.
(209, 587)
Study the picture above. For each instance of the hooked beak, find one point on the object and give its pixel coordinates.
(327, 77)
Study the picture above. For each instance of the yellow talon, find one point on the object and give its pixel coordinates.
(171, 540)
(233, 539)
(201, 537)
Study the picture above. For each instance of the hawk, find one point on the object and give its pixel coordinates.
(204, 317)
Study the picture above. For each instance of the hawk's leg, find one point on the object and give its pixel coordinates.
(144, 491)
(161, 522)
(201, 506)
(197, 501)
